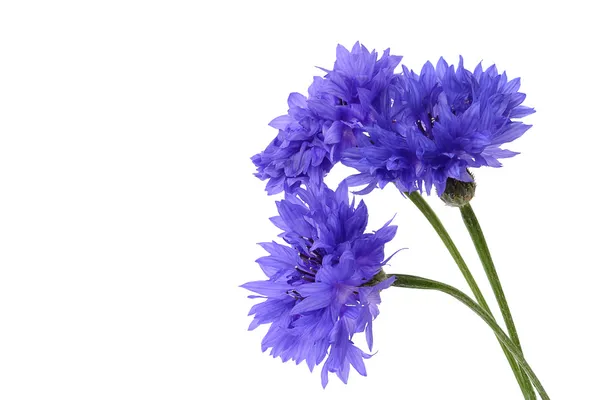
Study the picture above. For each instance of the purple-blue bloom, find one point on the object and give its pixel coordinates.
(317, 130)
(434, 125)
(315, 297)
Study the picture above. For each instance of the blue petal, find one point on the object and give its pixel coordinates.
(311, 303)
(297, 100)
(281, 122)
(267, 288)
(514, 131)
(335, 132)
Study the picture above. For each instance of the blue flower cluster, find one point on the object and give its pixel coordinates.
(321, 289)
(413, 130)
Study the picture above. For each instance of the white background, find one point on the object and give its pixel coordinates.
(129, 213)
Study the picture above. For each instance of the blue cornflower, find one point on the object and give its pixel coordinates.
(436, 124)
(317, 129)
(315, 295)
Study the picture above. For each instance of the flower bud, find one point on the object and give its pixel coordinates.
(458, 193)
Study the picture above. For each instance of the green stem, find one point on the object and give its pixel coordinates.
(478, 238)
(435, 222)
(437, 225)
(415, 282)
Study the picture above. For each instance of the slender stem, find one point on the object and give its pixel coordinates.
(415, 282)
(476, 233)
(435, 222)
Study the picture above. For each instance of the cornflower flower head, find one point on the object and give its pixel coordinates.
(321, 288)
(436, 124)
(316, 130)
